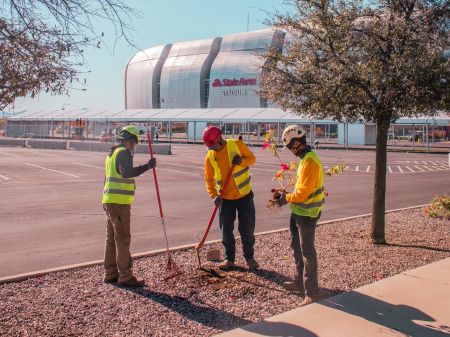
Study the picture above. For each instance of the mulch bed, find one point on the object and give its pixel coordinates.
(77, 303)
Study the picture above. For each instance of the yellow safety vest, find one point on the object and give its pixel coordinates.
(117, 190)
(241, 174)
(312, 205)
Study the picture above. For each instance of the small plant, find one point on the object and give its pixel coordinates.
(286, 176)
(337, 169)
(439, 208)
(270, 144)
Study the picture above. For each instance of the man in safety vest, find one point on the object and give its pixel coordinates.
(118, 195)
(237, 195)
(306, 204)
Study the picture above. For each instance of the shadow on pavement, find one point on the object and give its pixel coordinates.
(436, 249)
(397, 317)
(279, 329)
(205, 315)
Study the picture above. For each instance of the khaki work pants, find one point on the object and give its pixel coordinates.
(117, 245)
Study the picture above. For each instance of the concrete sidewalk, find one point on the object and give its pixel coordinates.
(414, 303)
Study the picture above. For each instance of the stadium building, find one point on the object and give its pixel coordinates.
(221, 72)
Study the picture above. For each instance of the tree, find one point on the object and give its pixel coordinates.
(355, 61)
(42, 42)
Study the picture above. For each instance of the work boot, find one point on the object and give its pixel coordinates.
(132, 283)
(309, 299)
(226, 265)
(295, 287)
(252, 264)
(110, 280)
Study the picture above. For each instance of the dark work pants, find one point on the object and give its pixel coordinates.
(245, 209)
(303, 229)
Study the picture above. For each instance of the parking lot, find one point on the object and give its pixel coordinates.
(51, 213)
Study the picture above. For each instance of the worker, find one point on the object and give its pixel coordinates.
(237, 196)
(118, 195)
(306, 202)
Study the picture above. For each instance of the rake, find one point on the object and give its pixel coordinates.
(211, 219)
(172, 270)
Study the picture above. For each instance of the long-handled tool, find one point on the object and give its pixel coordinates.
(211, 219)
(172, 269)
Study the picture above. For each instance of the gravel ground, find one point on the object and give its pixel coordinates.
(77, 303)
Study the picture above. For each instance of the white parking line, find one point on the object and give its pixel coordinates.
(368, 168)
(427, 168)
(97, 167)
(48, 169)
(400, 169)
(6, 178)
(192, 174)
(10, 154)
(409, 168)
(417, 167)
(389, 168)
(196, 167)
(357, 168)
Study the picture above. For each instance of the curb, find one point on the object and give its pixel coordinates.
(39, 273)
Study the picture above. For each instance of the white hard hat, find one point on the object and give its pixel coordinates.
(292, 131)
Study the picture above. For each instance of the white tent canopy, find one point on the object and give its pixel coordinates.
(232, 115)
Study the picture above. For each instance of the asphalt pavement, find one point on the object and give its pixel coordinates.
(51, 213)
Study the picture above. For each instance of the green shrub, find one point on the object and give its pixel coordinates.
(439, 208)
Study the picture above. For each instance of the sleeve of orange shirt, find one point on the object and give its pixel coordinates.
(210, 180)
(248, 158)
(307, 182)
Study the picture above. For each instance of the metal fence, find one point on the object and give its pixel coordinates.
(411, 137)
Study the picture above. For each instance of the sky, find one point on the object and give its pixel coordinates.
(162, 21)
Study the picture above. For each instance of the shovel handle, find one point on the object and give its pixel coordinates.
(213, 215)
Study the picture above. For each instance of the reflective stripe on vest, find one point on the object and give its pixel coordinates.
(117, 189)
(238, 174)
(241, 174)
(312, 205)
(120, 180)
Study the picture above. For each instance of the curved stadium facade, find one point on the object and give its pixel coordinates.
(221, 72)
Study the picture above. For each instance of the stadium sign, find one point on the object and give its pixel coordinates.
(226, 82)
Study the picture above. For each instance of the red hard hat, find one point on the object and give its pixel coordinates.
(211, 135)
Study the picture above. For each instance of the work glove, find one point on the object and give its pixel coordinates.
(237, 160)
(282, 199)
(151, 163)
(218, 201)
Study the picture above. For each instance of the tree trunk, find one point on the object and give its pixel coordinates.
(379, 195)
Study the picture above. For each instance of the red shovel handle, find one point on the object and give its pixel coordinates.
(150, 148)
(213, 215)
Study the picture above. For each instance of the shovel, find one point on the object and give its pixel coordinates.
(211, 219)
